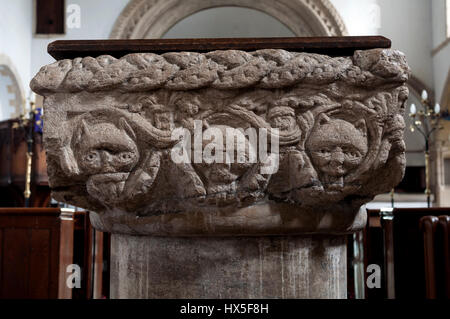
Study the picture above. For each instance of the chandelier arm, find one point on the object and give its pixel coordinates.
(421, 132)
(432, 130)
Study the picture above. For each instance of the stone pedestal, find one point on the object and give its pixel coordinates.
(228, 267)
(228, 173)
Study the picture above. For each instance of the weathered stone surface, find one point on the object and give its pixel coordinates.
(228, 267)
(334, 131)
(109, 123)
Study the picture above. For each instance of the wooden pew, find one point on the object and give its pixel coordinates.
(37, 245)
(91, 252)
(435, 232)
(373, 252)
(444, 228)
(413, 255)
(13, 147)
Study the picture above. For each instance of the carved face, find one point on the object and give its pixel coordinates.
(337, 147)
(104, 148)
(220, 176)
(188, 105)
(107, 153)
(283, 118)
(284, 123)
(163, 120)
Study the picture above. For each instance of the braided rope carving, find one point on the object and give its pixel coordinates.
(269, 69)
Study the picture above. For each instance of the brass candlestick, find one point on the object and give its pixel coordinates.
(426, 122)
(28, 125)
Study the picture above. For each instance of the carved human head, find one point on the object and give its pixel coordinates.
(282, 117)
(224, 167)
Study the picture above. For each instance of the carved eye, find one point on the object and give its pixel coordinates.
(352, 154)
(126, 156)
(92, 156)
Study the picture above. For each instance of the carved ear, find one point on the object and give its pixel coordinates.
(123, 125)
(323, 119)
(79, 131)
(85, 127)
(68, 162)
(360, 125)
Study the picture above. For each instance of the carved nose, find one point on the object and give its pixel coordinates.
(223, 166)
(337, 156)
(108, 165)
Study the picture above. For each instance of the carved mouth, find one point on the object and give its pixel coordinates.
(107, 188)
(334, 170)
(222, 175)
(109, 177)
(333, 182)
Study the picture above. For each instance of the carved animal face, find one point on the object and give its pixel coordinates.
(107, 153)
(104, 148)
(337, 147)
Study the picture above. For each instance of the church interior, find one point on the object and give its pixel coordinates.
(50, 248)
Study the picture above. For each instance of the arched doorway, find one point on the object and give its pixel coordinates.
(152, 19)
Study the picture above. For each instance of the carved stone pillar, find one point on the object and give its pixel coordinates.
(230, 173)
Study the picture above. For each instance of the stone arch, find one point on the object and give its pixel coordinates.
(152, 18)
(12, 94)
